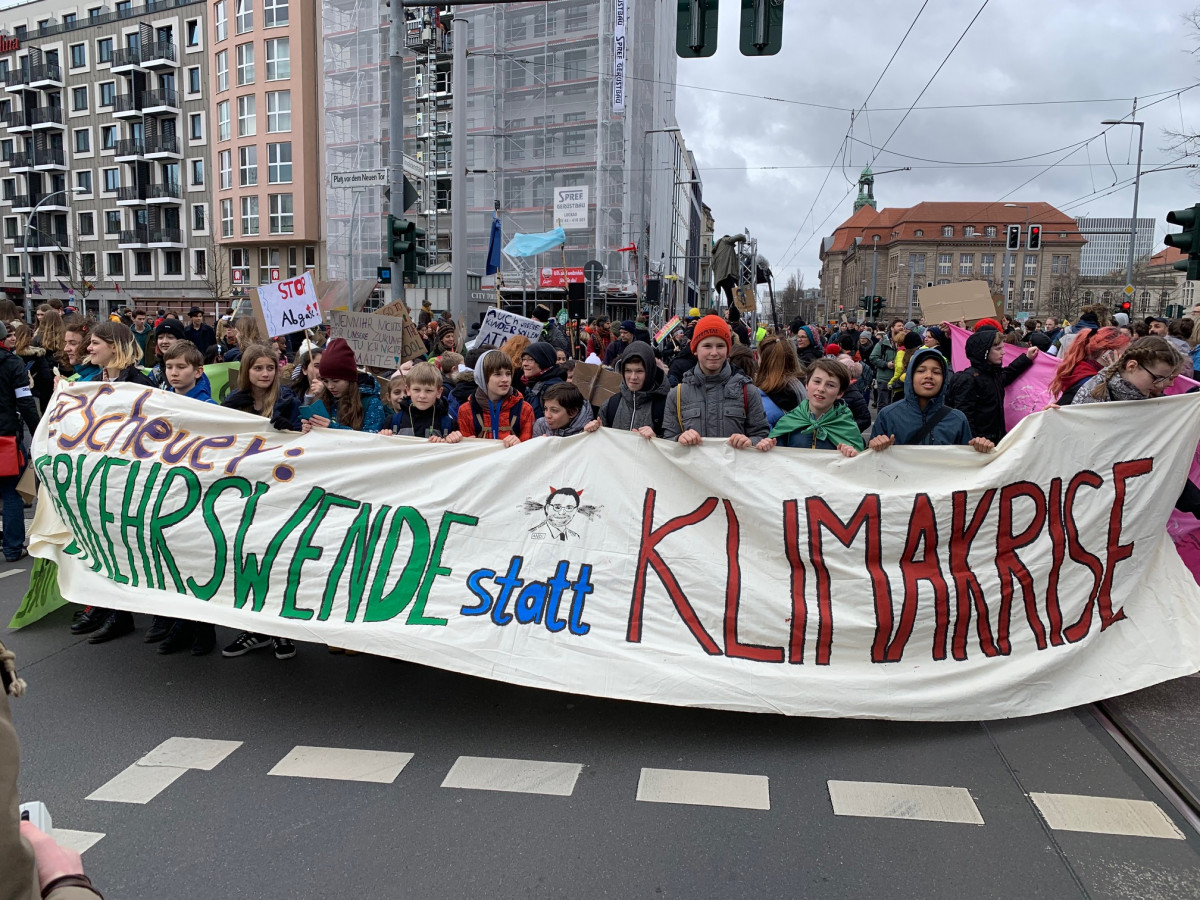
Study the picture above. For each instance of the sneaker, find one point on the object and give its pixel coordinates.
(284, 649)
(159, 629)
(245, 642)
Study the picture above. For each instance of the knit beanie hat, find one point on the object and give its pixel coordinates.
(912, 341)
(338, 361)
(628, 325)
(172, 327)
(444, 330)
(542, 353)
(987, 323)
(712, 326)
(812, 335)
(833, 349)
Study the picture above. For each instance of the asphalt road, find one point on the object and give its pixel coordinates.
(218, 824)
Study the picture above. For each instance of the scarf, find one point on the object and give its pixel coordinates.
(837, 425)
(1086, 369)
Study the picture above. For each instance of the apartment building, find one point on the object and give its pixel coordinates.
(104, 147)
(1107, 249)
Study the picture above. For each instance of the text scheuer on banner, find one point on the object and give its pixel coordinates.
(916, 583)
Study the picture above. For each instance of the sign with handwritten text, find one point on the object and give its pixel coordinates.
(376, 340)
(289, 306)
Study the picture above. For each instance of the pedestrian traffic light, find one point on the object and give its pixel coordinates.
(383, 274)
(762, 27)
(1035, 237)
(398, 239)
(1014, 237)
(696, 28)
(1126, 306)
(876, 306)
(415, 258)
(864, 302)
(1187, 240)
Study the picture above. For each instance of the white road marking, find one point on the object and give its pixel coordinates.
(14, 572)
(379, 766)
(189, 753)
(521, 776)
(137, 784)
(885, 800)
(704, 788)
(79, 841)
(1106, 815)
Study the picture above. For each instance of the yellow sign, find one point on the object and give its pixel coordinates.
(1129, 290)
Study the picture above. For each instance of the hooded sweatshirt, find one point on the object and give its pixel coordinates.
(631, 410)
(575, 426)
(979, 390)
(479, 416)
(904, 419)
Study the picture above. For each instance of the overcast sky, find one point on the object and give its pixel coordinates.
(1016, 51)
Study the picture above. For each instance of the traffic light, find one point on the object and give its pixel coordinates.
(1187, 240)
(1014, 237)
(1126, 306)
(398, 240)
(415, 259)
(383, 274)
(1035, 237)
(762, 27)
(876, 306)
(864, 303)
(696, 28)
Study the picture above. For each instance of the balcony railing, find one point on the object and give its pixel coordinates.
(161, 97)
(108, 18)
(130, 147)
(21, 161)
(135, 192)
(40, 115)
(49, 156)
(166, 143)
(126, 56)
(45, 72)
(29, 201)
(140, 234)
(127, 103)
(157, 50)
(40, 239)
(166, 236)
(170, 191)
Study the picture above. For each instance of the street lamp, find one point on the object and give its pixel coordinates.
(28, 226)
(1008, 301)
(1137, 181)
(674, 129)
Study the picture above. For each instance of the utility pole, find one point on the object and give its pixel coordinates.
(396, 139)
(1137, 182)
(874, 265)
(458, 177)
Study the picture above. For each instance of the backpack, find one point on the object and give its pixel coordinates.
(514, 415)
(658, 407)
(679, 403)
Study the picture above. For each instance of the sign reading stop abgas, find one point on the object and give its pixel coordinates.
(289, 306)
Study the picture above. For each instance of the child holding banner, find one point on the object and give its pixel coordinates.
(495, 411)
(259, 391)
(642, 402)
(423, 413)
(565, 412)
(822, 421)
(923, 417)
(356, 403)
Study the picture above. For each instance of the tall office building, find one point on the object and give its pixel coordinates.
(1107, 247)
(104, 189)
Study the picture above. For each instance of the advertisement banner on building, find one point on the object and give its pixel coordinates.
(571, 207)
(618, 70)
(560, 277)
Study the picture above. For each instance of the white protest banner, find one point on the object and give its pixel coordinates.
(289, 306)
(916, 583)
(376, 340)
(498, 326)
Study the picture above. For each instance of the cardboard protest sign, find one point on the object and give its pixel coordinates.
(596, 383)
(970, 300)
(412, 346)
(498, 326)
(376, 340)
(289, 306)
(927, 583)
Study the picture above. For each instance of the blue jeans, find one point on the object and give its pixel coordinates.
(13, 513)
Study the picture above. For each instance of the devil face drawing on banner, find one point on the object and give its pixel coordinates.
(559, 509)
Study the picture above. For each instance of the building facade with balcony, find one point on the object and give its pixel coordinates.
(104, 154)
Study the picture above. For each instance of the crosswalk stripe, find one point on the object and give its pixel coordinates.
(79, 841)
(189, 753)
(137, 784)
(339, 764)
(1106, 815)
(704, 788)
(886, 800)
(521, 776)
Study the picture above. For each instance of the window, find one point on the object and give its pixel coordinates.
(83, 141)
(275, 13)
(919, 233)
(197, 172)
(279, 111)
(124, 8)
(1030, 264)
(79, 98)
(514, 148)
(87, 223)
(279, 60)
(108, 137)
(966, 264)
(8, 188)
(310, 257)
(193, 80)
(10, 228)
(968, 231)
(37, 266)
(239, 265)
(944, 262)
(225, 168)
(108, 94)
(62, 267)
(249, 215)
(172, 262)
(223, 120)
(245, 64)
(268, 259)
(279, 163)
(220, 24)
(114, 264)
(247, 120)
(78, 56)
(87, 265)
(199, 263)
(248, 166)
(245, 15)
(223, 70)
(947, 231)
(574, 143)
(1060, 265)
(987, 264)
(143, 262)
(69, 19)
(112, 179)
(191, 31)
(280, 206)
(14, 266)
(576, 18)
(226, 218)
(83, 181)
(196, 126)
(199, 216)
(6, 150)
(112, 221)
(990, 231)
(1027, 294)
(575, 65)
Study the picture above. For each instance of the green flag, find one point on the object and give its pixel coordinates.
(43, 596)
(222, 378)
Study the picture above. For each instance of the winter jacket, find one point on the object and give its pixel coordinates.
(979, 390)
(40, 367)
(201, 390)
(859, 406)
(613, 352)
(422, 423)
(905, 418)
(460, 393)
(719, 405)
(1117, 389)
(145, 338)
(373, 413)
(683, 363)
(533, 388)
(134, 375)
(477, 415)
(284, 417)
(575, 426)
(16, 396)
(553, 334)
(630, 410)
(599, 342)
(203, 337)
(883, 360)
(782, 401)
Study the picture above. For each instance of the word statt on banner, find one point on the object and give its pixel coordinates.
(498, 326)
(571, 208)
(376, 340)
(931, 583)
(289, 306)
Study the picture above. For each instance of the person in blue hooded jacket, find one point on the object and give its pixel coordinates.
(923, 417)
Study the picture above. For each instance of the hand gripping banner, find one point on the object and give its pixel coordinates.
(915, 583)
